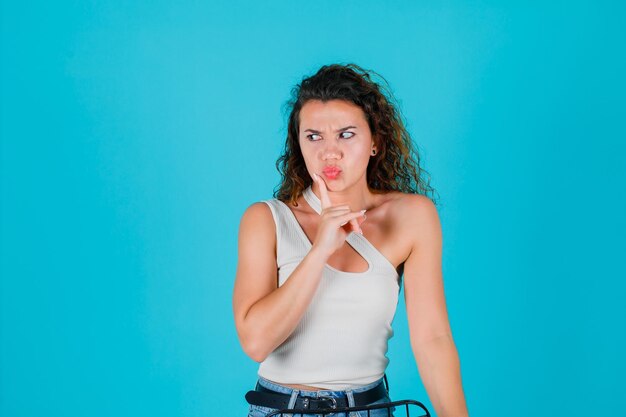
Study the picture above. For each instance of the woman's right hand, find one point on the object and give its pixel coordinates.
(331, 233)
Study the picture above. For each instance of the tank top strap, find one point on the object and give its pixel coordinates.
(289, 245)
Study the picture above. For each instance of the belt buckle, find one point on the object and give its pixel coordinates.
(333, 406)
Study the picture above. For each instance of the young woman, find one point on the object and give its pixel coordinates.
(320, 266)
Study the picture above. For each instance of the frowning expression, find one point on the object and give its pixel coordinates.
(336, 141)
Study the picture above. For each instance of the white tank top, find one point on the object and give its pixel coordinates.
(341, 341)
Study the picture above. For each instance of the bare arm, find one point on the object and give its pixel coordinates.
(265, 314)
(431, 337)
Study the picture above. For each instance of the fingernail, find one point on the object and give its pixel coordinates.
(315, 176)
(363, 211)
(361, 231)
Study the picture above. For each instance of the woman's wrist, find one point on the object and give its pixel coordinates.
(318, 255)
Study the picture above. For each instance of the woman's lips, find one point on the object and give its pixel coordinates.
(331, 173)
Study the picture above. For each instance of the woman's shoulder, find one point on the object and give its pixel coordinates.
(258, 213)
(410, 210)
(407, 203)
(258, 208)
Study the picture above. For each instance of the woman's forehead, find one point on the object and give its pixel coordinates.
(321, 114)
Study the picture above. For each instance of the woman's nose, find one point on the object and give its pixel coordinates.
(331, 152)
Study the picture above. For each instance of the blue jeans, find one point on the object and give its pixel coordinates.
(259, 411)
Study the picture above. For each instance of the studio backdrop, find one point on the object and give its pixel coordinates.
(135, 134)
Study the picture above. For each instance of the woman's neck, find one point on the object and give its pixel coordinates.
(358, 198)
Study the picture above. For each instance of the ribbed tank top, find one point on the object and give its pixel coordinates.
(341, 341)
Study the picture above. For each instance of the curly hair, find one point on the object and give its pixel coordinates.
(396, 166)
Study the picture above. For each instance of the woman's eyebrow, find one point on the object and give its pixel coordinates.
(337, 131)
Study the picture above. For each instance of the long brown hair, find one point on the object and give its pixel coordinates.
(396, 166)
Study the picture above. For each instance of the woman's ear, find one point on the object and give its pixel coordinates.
(374, 149)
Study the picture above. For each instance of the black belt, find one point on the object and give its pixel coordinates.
(268, 398)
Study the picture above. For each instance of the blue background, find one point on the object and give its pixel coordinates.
(135, 134)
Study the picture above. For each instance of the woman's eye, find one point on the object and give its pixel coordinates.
(347, 137)
(310, 137)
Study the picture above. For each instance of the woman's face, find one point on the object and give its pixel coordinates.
(336, 142)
